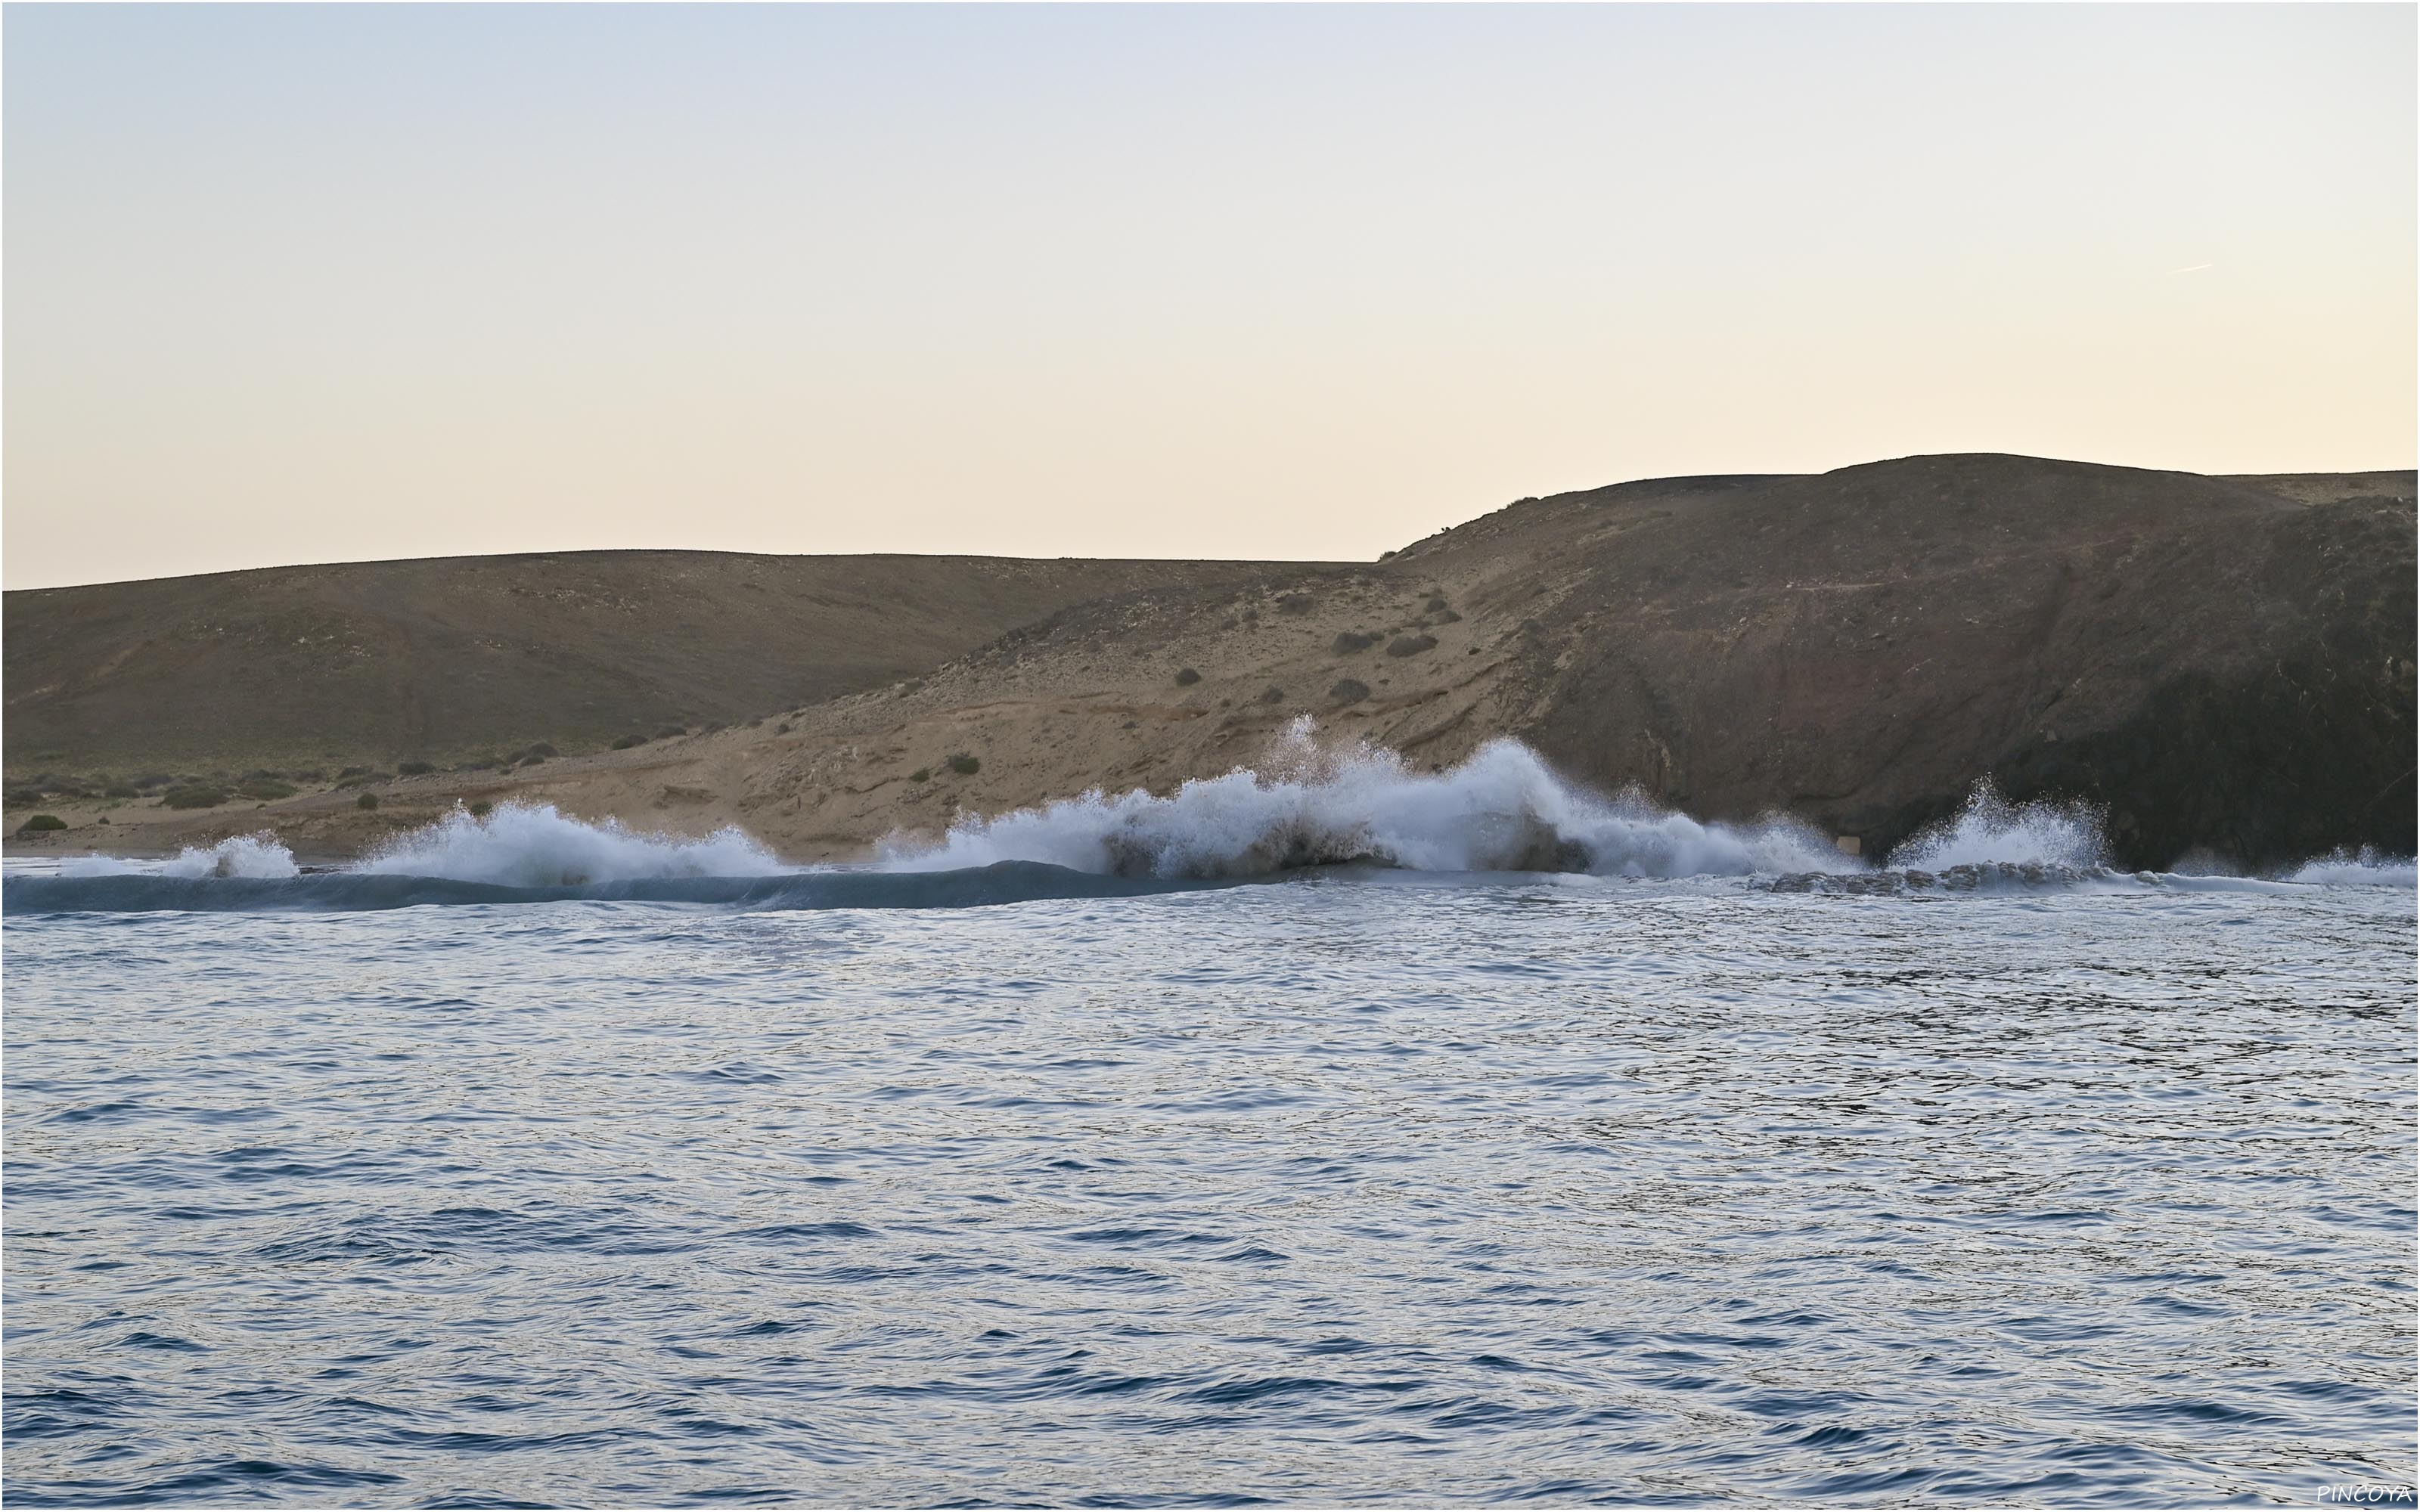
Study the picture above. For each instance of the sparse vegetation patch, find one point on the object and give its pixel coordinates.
(199, 795)
(1410, 645)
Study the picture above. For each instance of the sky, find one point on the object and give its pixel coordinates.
(288, 284)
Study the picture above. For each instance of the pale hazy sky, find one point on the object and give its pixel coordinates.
(296, 284)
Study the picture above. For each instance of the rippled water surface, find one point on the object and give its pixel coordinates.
(1326, 1190)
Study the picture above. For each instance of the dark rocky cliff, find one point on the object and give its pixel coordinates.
(2224, 668)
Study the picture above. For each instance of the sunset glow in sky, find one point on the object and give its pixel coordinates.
(297, 284)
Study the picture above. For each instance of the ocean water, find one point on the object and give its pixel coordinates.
(1112, 1155)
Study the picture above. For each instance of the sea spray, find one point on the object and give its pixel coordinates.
(535, 845)
(262, 855)
(2365, 868)
(1503, 809)
(1307, 803)
(1989, 830)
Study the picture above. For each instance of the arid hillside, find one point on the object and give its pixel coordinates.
(2227, 665)
(452, 658)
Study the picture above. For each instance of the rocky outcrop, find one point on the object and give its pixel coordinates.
(2222, 666)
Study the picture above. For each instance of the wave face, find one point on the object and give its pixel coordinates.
(1504, 810)
(121, 892)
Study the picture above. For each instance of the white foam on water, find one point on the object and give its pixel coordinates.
(240, 855)
(1990, 831)
(535, 845)
(1504, 810)
(2365, 868)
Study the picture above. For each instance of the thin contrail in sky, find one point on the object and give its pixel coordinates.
(2194, 269)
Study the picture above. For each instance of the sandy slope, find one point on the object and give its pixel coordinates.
(449, 659)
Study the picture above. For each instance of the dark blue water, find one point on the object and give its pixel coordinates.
(1323, 1191)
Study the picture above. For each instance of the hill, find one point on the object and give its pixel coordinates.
(2226, 665)
(451, 658)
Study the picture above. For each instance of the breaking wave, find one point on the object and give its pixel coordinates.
(1990, 831)
(1504, 810)
(2365, 868)
(1306, 805)
(240, 855)
(534, 846)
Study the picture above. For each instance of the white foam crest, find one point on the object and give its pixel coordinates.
(1989, 830)
(535, 845)
(1504, 810)
(239, 855)
(2365, 868)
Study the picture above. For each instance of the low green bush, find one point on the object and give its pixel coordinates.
(481, 809)
(41, 821)
(414, 768)
(1410, 645)
(367, 800)
(1352, 642)
(265, 788)
(965, 765)
(1273, 695)
(628, 741)
(1186, 677)
(1349, 690)
(121, 790)
(195, 795)
(922, 774)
